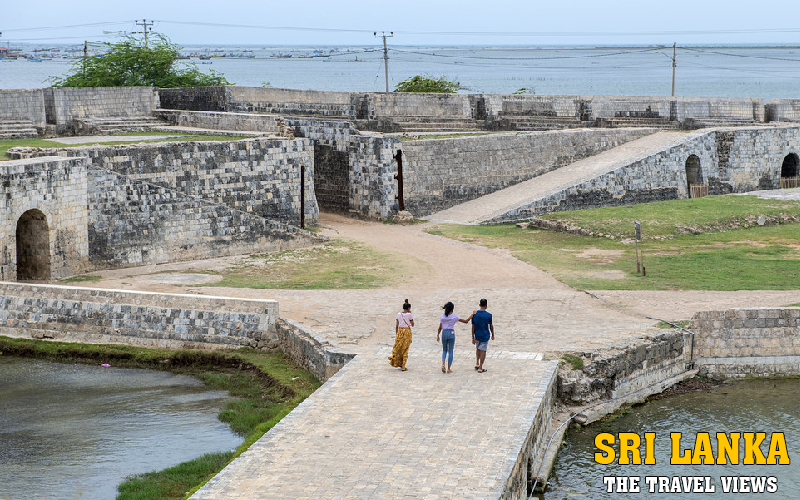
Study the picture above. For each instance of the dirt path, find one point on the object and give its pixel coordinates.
(534, 312)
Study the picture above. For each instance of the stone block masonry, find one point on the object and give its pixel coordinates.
(441, 173)
(23, 105)
(257, 176)
(135, 318)
(748, 342)
(55, 190)
(133, 222)
(65, 105)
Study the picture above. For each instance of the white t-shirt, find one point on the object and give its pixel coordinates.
(404, 319)
(448, 322)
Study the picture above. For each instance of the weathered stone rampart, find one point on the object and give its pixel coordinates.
(55, 188)
(748, 342)
(783, 110)
(441, 173)
(64, 106)
(161, 320)
(214, 120)
(731, 160)
(256, 176)
(133, 223)
(23, 105)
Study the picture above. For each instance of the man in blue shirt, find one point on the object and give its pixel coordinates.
(482, 331)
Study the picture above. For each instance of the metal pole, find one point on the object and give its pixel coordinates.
(400, 202)
(674, 56)
(302, 196)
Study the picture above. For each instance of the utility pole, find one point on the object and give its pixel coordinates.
(385, 55)
(146, 27)
(85, 55)
(674, 56)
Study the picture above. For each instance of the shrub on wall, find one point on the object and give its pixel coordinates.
(426, 83)
(134, 63)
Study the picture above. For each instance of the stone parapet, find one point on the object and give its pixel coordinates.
(748, 342)
(65, 105)
(23, 105)
(135, 318)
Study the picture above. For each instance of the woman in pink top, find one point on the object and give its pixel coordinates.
(446, 324)
(402, 339)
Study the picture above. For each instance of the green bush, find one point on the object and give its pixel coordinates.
(427, 83)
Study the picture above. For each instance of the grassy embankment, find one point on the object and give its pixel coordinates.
(267, 386)
(5, 145)
(711, 243)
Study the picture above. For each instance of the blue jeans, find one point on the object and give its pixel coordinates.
(448, 343)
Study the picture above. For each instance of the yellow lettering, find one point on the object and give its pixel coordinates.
(629, 441)
(649, 439)
(752, 451)
(777, 446)
(702, 447)
(728, 447)
(602, 441)
(677, 457)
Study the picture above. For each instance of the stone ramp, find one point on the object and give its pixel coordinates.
(495, 205)
(373, 431)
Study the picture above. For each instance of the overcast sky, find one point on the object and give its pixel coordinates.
(414, 22)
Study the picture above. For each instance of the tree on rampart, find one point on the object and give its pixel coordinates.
(427, 83)
(133, 62)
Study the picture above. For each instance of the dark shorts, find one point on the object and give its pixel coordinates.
(482, 346)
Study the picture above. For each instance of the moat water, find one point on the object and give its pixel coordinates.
(759, 72)
(72, 431)
(768, 406)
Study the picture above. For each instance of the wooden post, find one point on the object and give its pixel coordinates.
(399, 158)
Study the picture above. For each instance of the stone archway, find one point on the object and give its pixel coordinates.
(694, 174)
(790, 177)
(33, 246)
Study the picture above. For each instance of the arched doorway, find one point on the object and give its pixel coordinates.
(694, 177)
(33, 246)
(790, 177)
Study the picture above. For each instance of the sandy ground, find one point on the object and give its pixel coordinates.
(533, 311)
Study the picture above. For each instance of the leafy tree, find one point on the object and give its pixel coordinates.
(131, 63)
(525, 90)
(427, 83)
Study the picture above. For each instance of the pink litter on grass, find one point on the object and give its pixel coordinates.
(105, 364)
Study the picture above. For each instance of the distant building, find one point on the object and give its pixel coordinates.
(3, 50)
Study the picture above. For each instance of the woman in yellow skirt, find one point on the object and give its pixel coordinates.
(402, 339)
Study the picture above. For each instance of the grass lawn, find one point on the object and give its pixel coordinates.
(753, 258)
(266, 385)
(5, 145)
(339, 264)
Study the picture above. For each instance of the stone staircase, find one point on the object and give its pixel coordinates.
(502, 205)
(17, 129)
(105, 126)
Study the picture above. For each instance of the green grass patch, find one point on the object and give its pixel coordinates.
(5, 145)
(676, 217)
(445, 136)
(575, 361)
(755, 258)
(82, 278)
(339, 264)
(664, 325)
(266, 385)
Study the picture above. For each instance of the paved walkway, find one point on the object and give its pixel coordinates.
(500, 202)
(374, 432)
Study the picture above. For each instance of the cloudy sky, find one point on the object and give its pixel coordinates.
(414, 22)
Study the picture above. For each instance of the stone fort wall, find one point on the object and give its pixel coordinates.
(23, 105)
(56, 187)
(732, 160)
(64, 105)
(256, 176)
(160, 320)
(748, 342)
(441, 173)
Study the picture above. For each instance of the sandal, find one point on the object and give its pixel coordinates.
(443, 371)
(403, 369)
(483, 370)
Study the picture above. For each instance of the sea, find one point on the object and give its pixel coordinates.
(766, 72)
